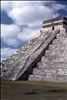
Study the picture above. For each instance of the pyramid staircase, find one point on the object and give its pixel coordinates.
(53, 64)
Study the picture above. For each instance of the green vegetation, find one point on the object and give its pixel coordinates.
(32, 90)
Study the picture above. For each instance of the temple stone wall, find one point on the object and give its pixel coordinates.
(61, 27)
(52, 22)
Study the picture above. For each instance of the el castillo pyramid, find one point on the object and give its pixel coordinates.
(44, 58)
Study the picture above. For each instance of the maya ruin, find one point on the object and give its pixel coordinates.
(44, 58)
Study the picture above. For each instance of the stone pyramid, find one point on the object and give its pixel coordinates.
(44, 58)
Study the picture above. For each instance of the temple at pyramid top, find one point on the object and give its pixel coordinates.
(55, 23)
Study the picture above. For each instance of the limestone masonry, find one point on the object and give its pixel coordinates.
(44, 58)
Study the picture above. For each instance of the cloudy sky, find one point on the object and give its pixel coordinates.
(21, 21)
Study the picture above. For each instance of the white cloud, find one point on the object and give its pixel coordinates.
(58, 7)
(5, 5)
(28, 34)
(8, 31)
(29, 13)
(6, 52)
(9, 34)
(24, 13)
(11, 41)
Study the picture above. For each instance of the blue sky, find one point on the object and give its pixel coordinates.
(21, 21)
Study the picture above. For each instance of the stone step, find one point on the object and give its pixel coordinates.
(54, 52)
(52, 65)
(41, 78)
(61, 78)
(58, 42)
(48, 71)
(54, 59)
(44, 71)
(58, 47)
(55, 47)
(61, 35)
(12, 59)
(57, 55)
(54, 78)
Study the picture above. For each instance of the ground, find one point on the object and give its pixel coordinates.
(32, 90)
